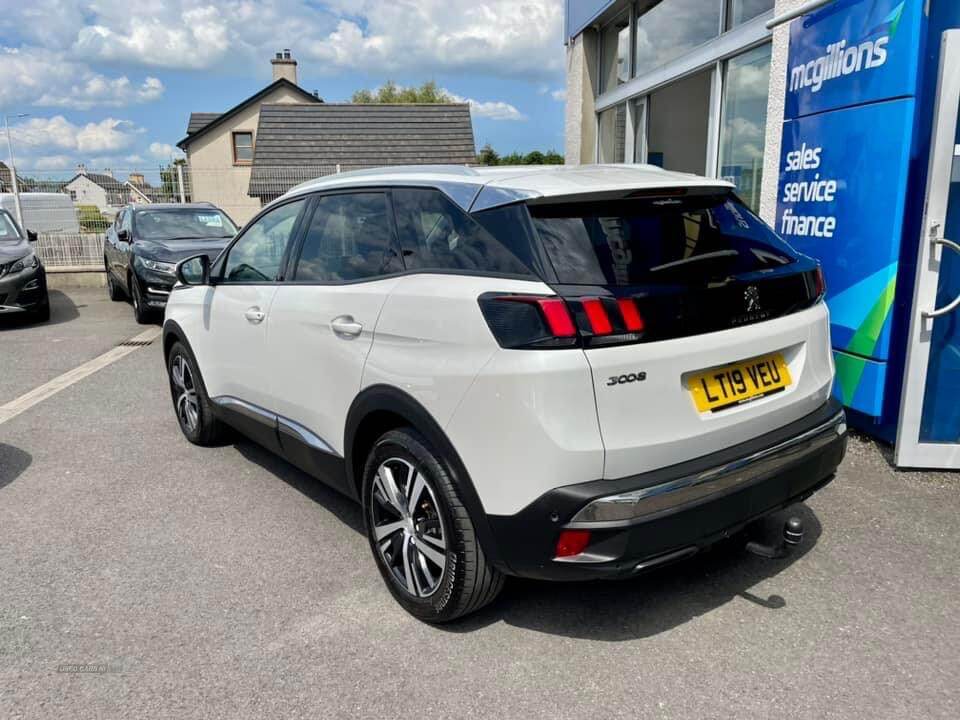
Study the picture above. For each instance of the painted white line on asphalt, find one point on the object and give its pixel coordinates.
(61, 382)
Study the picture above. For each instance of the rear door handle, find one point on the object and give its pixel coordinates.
(255, 315)
(345, 326)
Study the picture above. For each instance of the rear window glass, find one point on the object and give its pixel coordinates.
(436, 235)
(656, 241)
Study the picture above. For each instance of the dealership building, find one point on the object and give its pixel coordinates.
(838, 121)
(685, 84)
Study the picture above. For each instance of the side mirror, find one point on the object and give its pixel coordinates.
(194, 270)
(31, 236)
(123, 235)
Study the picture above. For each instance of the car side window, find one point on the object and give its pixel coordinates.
(258, 253)
(437, 235)
(349, 238)
(126, 221)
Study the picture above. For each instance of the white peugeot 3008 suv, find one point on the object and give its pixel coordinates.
(558, 373)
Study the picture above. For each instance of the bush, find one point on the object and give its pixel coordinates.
(91, 219)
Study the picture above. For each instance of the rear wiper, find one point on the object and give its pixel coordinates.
(695, 258)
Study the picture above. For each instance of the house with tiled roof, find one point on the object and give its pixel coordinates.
(101, 190)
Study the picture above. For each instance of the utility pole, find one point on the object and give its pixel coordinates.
(13, 172)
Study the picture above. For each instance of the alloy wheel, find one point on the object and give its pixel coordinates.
(407, 528)
(188, 409)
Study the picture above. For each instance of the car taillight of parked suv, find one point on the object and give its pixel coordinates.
(556, 373)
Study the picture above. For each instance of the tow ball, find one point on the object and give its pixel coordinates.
(792, 536)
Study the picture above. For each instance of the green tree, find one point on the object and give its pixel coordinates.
(169, 183)
(534, 157)
(488, 156)
(391, 93)
(552, 157)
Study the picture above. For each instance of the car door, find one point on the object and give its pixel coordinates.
(323, 320)
(232, 350)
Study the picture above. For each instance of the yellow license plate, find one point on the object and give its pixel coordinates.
(738, 383)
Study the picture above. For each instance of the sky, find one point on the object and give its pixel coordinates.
(111, 83)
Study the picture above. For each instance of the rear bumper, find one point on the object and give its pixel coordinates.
(676, 511)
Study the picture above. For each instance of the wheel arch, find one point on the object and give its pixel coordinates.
(172, 333)
(380, 408)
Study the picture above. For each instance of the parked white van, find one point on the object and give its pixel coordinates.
(43, 212)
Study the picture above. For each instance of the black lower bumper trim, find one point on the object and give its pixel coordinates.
(527, 540)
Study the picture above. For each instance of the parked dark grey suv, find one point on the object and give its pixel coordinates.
(23, 280)
(145, 243)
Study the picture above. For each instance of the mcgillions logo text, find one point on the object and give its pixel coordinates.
(839, 60)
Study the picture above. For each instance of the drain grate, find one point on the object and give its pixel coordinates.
(135, 343)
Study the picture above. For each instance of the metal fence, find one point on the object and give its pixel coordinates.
(57, 250)
(72, 209)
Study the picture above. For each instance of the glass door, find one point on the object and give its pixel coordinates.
(929, 430)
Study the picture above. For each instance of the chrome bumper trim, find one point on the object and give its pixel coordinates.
(635, 505)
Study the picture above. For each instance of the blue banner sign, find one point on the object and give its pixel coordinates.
(844, 164)
(853, 52)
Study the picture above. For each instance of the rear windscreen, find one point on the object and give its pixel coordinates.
(656, 240)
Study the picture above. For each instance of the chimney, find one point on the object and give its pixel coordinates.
(108, 172)
(284, 66)
(81, 169)
(137, 179)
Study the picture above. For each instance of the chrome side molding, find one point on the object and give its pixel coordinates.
(282, 425)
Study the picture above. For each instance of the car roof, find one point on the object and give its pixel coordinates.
(477, 188)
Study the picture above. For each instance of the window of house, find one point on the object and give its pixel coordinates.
(349, 238)
(242, 148)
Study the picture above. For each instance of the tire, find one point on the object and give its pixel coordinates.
(191, 404)
(438, 528)
(142, 314)
(114, 290)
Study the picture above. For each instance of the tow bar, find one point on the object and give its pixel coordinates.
(792, 536)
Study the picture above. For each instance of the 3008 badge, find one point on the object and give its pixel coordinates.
(628, 378)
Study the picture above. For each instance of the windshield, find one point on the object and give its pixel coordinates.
(656, 240)
(183, 224)
(8, 228)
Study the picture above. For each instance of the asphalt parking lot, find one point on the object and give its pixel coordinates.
(223, 583)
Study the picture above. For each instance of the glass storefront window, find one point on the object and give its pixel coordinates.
(743, 122)
(615, 53)
(613, 134)
(740, 11)
(678, 122)
(671, 28)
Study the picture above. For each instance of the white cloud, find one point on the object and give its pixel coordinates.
(493, 109)
(57, 133)
(31, 76)
(515, 38)
(164, 151)
(559, 95)
(519, 38)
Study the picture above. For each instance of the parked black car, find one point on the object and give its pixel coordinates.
(23, 280)
(145, 243)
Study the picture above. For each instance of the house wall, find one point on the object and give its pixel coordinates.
(213, 176)
(89, 193)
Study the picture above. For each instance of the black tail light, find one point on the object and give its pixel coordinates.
(551, 322)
